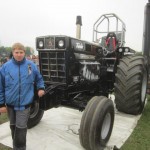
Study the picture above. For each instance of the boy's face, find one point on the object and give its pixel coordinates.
(18, 54)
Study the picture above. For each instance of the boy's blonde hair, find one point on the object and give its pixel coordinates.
(18, 46)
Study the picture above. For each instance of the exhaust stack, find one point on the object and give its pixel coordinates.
(146, 31)
(78, 27)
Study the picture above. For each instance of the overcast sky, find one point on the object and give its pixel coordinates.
(24, 20)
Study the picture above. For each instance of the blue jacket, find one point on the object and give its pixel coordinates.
(17, 81)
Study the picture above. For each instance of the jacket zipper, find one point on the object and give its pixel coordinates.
(19, 85)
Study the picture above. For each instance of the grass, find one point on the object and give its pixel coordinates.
(139, 139)
(3, 147)
(3, 118)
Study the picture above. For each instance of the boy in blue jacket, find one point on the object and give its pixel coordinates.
(17, 79)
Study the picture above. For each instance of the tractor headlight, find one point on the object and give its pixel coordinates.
(120, 50)
(61, 43)
(41, 44)
(126, 50)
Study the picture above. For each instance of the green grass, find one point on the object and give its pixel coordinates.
(3, 147)
(139, 139)
(3, 118)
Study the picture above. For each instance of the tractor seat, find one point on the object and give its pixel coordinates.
(111, 41)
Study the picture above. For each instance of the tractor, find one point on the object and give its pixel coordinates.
(81, 75)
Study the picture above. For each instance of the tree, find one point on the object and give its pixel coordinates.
(7, 50)
(29, 51)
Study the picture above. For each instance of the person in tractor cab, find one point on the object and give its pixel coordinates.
(17, 79)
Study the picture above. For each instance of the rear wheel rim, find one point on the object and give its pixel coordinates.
(144, 86)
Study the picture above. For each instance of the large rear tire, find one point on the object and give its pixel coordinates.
(36, 115)
(97, 123)
(131, 85)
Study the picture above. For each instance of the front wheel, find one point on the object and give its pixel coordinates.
(96, 123)
(36, 115)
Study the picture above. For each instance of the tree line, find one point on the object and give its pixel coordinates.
(6, 51)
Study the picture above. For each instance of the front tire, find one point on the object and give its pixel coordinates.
(97, 123)
(131, 85)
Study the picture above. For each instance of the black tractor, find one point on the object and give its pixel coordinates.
(82, 75)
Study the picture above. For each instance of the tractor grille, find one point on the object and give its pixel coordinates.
(52, 65)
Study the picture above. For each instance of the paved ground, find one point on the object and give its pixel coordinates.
(58, 130)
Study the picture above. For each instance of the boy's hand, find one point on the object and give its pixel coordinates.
(41, 93)
(3, 110)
